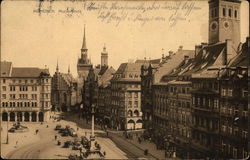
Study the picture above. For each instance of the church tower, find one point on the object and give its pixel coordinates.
(224, 21)
(104, 57)
(83, 64)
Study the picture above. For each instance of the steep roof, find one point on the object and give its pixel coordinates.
(128, 72)
(209, 56)
(105, 78)
(68, 78)
(171, 62)
(242, 58)
(28, 72)
(5, 69)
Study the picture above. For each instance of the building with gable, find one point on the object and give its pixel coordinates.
(64, 91)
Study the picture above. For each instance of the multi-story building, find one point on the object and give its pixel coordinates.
(25, 93)
(64, 88)
(172, 109)
(234, 107)
(147, 71)
(151, 74)
(126, 97)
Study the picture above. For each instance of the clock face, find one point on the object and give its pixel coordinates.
(226, 24)
(213, 25)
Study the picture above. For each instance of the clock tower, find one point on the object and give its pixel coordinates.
(224, 21)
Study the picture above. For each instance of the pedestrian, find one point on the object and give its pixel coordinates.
(104, 153)
(16, 143)
(55, 137)
(107, 133)
(36, 131)
(47, 126)
(77, 128)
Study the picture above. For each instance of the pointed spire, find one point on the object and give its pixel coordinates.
(84, 46)
(57, 67)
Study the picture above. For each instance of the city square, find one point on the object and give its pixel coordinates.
(125, 80)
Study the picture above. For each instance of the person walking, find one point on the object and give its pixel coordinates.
(55, 137)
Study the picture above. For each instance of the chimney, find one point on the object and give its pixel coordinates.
(230, 52)
(197, 49)
(186, 58)
(170, 53)
(180, 48)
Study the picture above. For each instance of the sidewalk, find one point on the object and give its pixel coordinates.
(159, 154)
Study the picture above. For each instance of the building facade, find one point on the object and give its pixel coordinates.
(126, 97)
(64, 91)
(234, 107)
(25, 93)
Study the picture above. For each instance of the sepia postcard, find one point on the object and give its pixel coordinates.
(124, 79)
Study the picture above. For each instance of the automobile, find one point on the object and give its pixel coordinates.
(84, 140)
(77, 146)
(67, 144)
(58, 127)
(64, 134)
(61, 130)
(12, 130)
(77, 140)
(72, 132)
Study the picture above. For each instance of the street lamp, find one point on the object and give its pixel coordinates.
(92, 137)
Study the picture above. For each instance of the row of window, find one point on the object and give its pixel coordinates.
(233, 151)
(233, 131)
(21, 96)
(21, 88)
(226, 12)
(206, 85)
(119, 86)
(27, 81)
(19, 104)
(132, 94)
(206, 102)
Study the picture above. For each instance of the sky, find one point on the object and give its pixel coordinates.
(30, 39)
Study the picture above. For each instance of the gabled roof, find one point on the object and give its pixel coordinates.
(242, 58)
(105, 78)
(210, 55)
(68, 78)
(170, 63)
(28, 72)
(103, 70)
(5, 69)
(126, 69)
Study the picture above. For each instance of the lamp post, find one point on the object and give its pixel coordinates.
(92, 137)
(7, 137)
